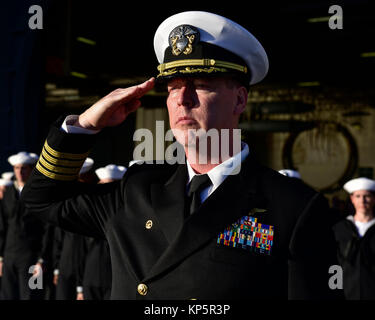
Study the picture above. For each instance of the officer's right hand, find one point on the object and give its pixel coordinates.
(114, 108)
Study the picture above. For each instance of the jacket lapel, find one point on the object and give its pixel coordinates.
(227, 204)
(168, 201)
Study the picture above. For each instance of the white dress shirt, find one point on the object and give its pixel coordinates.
(218, 174)
(68, 126)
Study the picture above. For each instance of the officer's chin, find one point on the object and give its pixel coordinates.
(188, 136)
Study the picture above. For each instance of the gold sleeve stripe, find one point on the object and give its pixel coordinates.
(202, 63)
(61, 162)
(65, 155)
(55, 176)
(59, 169)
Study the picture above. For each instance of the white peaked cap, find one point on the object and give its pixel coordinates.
(359, 184)
(7, 175)
(111, 171)
(4, 182)
(87, 165)
(219, 31)
(290, 173)
(23, 158)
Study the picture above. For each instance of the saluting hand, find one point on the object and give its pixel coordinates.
(113, 109)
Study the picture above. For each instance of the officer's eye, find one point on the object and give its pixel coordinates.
(174, 85)
(202, 86)
(173, 88)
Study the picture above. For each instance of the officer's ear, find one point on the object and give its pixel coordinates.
(242, 95)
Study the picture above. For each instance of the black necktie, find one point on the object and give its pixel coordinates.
(197, 184)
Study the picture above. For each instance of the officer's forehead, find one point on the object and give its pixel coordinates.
(197, 79)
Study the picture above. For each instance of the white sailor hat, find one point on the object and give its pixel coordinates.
(132, 162)
(7, 175)
(204, 43)
(359, 184)
(23, 158)
(111, 171)
(290, 173)
(87, 165)
(6, 183)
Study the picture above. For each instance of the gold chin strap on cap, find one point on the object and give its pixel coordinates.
(211, 65)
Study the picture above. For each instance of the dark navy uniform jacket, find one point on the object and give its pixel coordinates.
(97, 271)
(21, 233)
(177, 258)
(356, 256)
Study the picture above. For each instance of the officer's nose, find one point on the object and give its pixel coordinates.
(187, 97)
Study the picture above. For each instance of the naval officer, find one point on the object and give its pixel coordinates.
(198, 229)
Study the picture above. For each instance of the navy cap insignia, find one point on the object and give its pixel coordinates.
(182, 39)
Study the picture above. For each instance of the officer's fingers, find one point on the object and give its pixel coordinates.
(146, 86)
(134, 92)
(121, 112)
(113, 108)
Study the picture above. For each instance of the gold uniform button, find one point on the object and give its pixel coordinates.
(148, 224)
(142, 289)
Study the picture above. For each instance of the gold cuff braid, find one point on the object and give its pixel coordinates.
(60, 165)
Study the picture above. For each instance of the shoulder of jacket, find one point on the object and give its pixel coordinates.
(150, 171)
(10, 193)
(285, 185)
